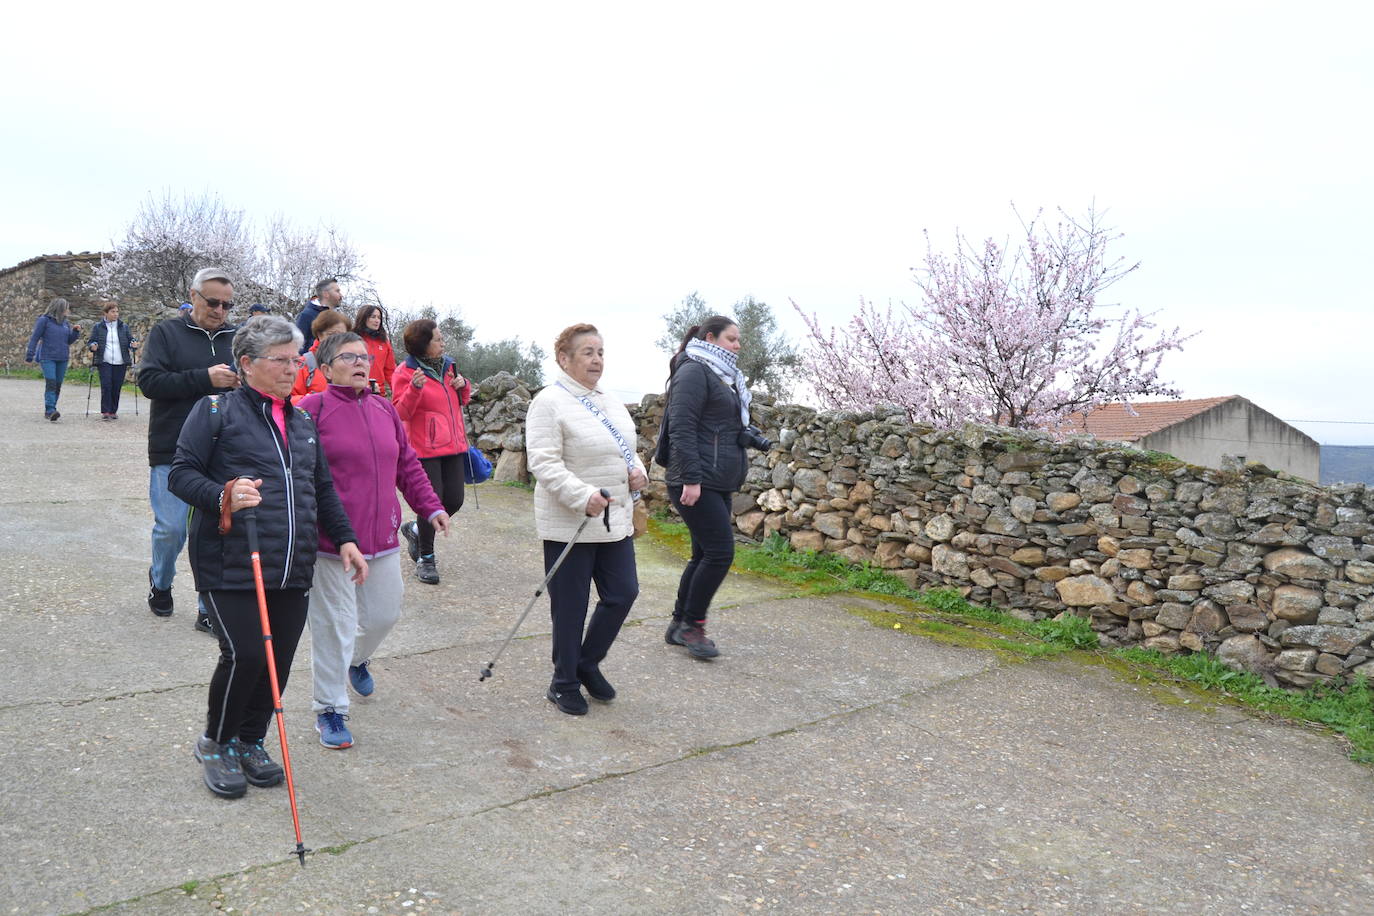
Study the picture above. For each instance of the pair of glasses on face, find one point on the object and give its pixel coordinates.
(352, 359)
(225, 304)
(281, 362)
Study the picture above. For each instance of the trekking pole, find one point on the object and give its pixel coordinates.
(467, 456)
(606, 518)
(135, 391)
(250, 524)
(90, 377)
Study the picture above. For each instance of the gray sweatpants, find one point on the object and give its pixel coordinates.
(348, 622)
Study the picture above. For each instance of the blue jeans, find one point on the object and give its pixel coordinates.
(169, 526)
(54, 371)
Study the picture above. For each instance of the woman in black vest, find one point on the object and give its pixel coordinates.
(252, 448)
(706, 429)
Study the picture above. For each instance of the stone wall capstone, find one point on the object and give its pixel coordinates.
(1269, 573)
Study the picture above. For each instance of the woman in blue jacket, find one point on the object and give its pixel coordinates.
(111, 347)
(50, 346)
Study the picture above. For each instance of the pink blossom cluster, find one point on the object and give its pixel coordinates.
(1011, 338)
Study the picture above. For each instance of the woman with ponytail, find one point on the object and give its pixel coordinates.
(702, 444)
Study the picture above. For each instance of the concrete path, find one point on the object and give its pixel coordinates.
(822, 765)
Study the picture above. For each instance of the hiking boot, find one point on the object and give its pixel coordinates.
(598, 688)
(159, 599)
(203, 623)
(426, 571)
(361, 679)
(411, 532)
(333, 733)
(693, 636)
(672, 637)
(223, 775)
(258, 768)
(571, 702)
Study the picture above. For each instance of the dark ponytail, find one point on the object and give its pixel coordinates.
(714, 326)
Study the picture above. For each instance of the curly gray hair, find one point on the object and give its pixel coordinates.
(258, 335)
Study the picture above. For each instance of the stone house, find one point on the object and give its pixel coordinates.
(28, 287)
(1202, 430)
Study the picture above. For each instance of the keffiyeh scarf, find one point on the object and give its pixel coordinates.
(722, 362)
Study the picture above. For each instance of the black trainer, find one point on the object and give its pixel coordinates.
(693, 636)
(203, 623)
(411, 532)
(159, 599)
(258, 768)
(571, 702)
(598, 688)
(55, 415)
(426, 571)
(672, 637)
(223, 775)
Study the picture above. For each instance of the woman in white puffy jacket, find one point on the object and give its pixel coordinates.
(580, 441)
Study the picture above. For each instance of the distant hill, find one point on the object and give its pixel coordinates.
(1347, 464)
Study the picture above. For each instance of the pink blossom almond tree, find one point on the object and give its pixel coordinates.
(1015, 339)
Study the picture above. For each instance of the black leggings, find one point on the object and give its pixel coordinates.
(446, 476)
(240, 689)
(713, 550)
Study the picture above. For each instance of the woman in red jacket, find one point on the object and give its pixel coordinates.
(370, 324)
(429, 395)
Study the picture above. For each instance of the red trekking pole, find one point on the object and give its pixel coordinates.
(250, 524)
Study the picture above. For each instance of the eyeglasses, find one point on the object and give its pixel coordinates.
(352, 359)
(281, 362)
(225, 304)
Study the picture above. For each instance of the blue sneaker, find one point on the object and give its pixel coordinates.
(361, 679)
(333, 733)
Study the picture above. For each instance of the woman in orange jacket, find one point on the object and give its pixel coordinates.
(309, 378)
(370, 324)
(430, 393)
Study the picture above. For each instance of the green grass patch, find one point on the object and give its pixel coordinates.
(944, 615)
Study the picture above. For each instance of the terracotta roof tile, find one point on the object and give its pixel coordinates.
(1115, 421)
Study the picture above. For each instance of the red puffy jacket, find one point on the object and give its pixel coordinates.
(433, 413)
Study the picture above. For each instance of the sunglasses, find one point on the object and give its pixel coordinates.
(225, 304)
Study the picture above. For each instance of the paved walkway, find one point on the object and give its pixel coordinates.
(822, 765)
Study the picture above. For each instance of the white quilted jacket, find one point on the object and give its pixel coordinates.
(571, 455)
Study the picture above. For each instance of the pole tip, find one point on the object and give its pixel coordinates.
(300, 852)
(484, 674)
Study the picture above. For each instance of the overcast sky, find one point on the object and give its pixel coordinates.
(537, 164)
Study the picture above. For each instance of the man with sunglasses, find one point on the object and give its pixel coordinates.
(185, 357)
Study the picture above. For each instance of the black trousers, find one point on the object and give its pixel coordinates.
(713, 550)
(111, 382)
(446, 476)
(612, 567)
(240, 689)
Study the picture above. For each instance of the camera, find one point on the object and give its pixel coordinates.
(750, 437)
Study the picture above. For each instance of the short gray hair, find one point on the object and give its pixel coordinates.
(258, 335)
(58, 309)
(331, 345)
(209, 273)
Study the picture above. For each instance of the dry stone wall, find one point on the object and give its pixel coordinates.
(1270, 573)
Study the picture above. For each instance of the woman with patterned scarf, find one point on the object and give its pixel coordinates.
(702, 444)
(430, 393)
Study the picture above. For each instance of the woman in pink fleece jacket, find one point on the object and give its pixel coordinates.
(370, 458)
